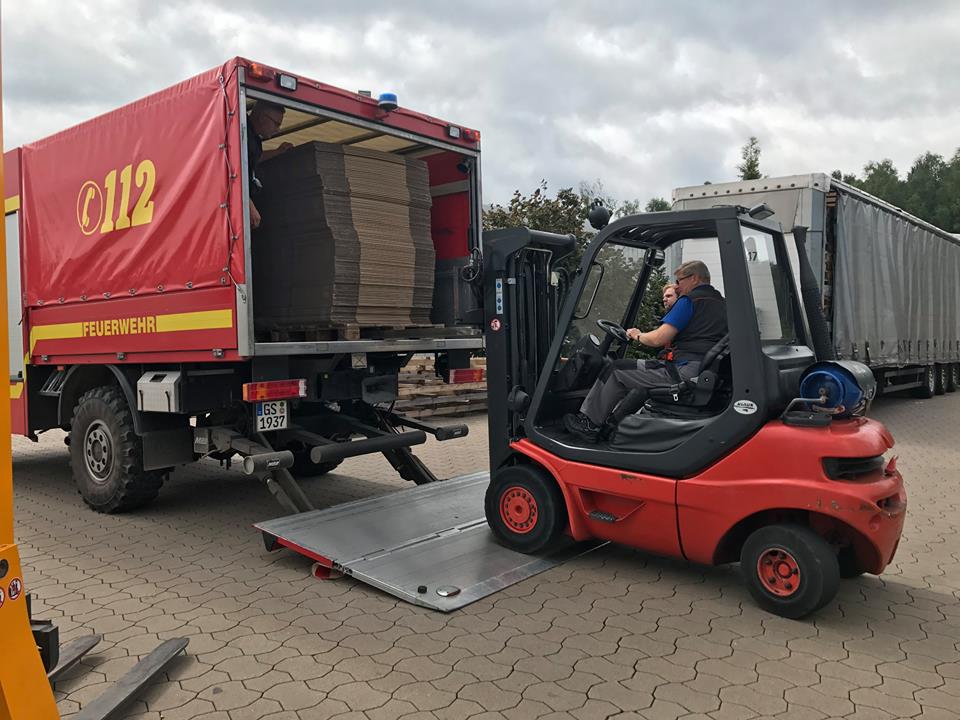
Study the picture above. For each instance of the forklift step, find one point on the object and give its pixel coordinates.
(602, 516)
(428, 545)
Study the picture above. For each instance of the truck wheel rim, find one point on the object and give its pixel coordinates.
(518, 510)
(98, 451)
(779, 572)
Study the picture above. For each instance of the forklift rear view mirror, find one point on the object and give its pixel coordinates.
(590, 288)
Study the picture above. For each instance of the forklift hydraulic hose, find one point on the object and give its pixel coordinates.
(810, 292)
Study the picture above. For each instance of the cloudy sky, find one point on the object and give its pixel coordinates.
(644, 96)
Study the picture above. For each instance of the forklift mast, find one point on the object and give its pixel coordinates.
(522, 299)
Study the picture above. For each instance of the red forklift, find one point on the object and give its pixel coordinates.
(764, 458)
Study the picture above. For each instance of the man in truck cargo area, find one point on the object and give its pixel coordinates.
(693, 325)
(263, 121)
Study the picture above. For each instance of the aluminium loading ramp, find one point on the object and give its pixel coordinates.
(428, 545)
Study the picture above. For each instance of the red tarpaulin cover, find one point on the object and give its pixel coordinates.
(134, 200)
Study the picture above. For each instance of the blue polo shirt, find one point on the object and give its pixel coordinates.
(680, 314)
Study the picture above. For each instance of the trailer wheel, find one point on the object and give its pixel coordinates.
(107, 455)
(940, 382)
(953, 377)
(789, 569)
(929, 387)
(525, 508)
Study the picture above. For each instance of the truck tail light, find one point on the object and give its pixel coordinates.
(274, 390)
(466, 375)
(260, 72)
(471, 135)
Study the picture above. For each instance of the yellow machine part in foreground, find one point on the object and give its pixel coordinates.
(25, 693)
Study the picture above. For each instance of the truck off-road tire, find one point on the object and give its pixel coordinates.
(929, 387)
(953, 377)
(525, 508)
(106, 454)
(942, 375)
(789, 569)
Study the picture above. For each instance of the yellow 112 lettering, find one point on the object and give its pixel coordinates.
(120, 217)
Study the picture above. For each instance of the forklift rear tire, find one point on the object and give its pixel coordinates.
(525, 508)
(929, 386)
(790, 570)
(106, 454)
(849, 566)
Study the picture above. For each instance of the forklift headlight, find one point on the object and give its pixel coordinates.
(287, 82)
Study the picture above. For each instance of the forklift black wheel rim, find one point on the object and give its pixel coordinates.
(98, 451)
(519, 510)
(779, 572)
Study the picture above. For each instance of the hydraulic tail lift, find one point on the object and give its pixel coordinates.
(764, 457)
(429, 545)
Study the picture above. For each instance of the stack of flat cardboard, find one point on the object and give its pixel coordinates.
(345, 240)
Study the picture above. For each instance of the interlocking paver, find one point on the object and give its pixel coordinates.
(617, 633)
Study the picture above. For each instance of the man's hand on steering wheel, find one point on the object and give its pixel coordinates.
(613, 329)
(634, 334)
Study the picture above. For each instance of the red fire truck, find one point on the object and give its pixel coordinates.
(131, 291)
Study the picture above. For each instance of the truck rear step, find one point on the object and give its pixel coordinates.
(428, 545)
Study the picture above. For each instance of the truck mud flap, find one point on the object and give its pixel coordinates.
(428, 545)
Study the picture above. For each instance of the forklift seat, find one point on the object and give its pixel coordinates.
(658, 419)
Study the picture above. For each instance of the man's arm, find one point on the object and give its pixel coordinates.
(254, 216)
(661, 337)
(267, 154)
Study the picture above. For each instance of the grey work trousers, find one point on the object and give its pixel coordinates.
(605, 394)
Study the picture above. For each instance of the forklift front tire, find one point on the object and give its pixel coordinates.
(790, 570)
(106, 454)
(525, 508)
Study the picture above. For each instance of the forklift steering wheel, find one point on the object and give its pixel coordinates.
(614, 330)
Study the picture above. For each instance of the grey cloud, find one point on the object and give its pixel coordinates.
(644, 96)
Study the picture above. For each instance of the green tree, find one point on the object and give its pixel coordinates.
(657, 204)
(931, 189)
(882, 180)
(749, 169)
(566, 213)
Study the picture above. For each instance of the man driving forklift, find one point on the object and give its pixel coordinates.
(690, 328)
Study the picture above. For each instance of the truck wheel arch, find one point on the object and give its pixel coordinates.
(81, 378)
(728, 549)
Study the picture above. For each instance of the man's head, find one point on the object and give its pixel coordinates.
(265, 118)
(691, 274)
(669, 295)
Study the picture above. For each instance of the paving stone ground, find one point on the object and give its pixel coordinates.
(615, 634)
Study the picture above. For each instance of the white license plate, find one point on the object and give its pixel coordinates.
(272, 415)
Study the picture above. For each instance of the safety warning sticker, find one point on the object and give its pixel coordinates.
(15, 588)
